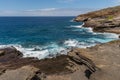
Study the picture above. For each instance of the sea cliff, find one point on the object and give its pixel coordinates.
(101, 62)
(105, 20)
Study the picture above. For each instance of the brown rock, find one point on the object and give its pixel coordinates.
(95, 63)
(105, 59)
(8, 54)
(23, 73)
(2, 53)
(105, 20)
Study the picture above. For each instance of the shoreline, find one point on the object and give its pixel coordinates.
(67, 66)
(105, 20)
(65, 51)
(100, 62)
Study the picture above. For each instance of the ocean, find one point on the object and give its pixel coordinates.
(46, 37)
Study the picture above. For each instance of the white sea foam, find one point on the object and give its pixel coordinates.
(105, 37)
(54, 49)
(72, 20)
(71, 43)
(75, 43)
(77, 26)
(90, 30)
(38, 52)
(109, 35)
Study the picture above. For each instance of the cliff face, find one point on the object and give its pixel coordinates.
(105, 20)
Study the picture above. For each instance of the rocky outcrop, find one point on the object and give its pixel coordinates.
(8, 54)
(23, 73)
(101, 62)
(105, 20)
(14, 67)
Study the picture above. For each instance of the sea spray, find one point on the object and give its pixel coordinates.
(47, 37)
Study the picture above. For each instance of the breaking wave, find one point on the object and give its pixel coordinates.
(39, 52)
(54, 49)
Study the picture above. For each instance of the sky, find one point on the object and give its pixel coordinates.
(52, 7)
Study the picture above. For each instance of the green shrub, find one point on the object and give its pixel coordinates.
(110, 17)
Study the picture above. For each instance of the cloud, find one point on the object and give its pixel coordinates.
(65, 1)
(48, 9)
(47, 12)
(116, 1)
(119, 1)
(45, 9)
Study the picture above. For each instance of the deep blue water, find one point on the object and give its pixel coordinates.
(43, 36)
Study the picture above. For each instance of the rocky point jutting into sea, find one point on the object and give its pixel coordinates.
(105, 20)
(100, 62)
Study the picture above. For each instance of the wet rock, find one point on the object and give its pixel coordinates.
(94, 63)
(8, 54)
(14, 67)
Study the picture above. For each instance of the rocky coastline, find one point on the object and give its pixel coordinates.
(105, 20)
(101, 62)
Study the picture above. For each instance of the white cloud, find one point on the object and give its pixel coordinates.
(46, 12)
(119, 1)
(116, 1)
(64, 1)
(48, 9)
(45, 9)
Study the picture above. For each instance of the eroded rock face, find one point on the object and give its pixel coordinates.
(101, 62)
(14, 67)
(105, 20)
(23, 73)
(106, 59)
(95, 63)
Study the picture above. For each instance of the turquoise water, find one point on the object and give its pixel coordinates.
(47, 36)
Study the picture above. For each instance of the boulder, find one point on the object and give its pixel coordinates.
(9, 53)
